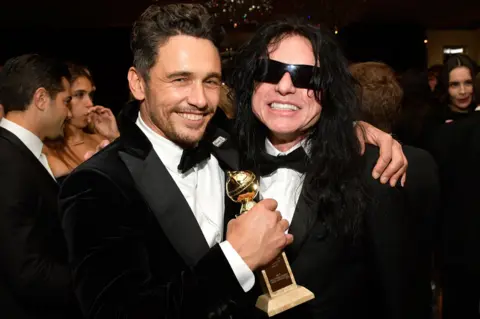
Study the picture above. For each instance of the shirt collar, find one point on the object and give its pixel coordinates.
(168, 152)
(272, 150)
(31, 141)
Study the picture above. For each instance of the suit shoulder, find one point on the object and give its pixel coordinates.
(370, 157)
(422, 171)
(418, 155)
(104, 167)
(106, 160)
(417, 158)
(13, 161)
(8, 151)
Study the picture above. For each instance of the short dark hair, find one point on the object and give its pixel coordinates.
(380, 94)
(21, 76)
(158, 23)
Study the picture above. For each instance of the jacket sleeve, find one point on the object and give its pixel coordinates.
(109, 250)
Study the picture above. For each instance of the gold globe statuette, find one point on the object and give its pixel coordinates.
(281, 291)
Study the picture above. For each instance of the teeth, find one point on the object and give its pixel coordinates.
(190, 116)
(281, 106)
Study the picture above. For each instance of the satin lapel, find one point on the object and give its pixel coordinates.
(304, 218)
(168, 204)
(224, 150)
(28, 155)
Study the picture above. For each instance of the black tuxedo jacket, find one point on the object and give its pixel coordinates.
(383, 273)
(35, 279)
(135, 246)
(457, 151)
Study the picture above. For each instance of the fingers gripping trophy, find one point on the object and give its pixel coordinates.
(281, 292)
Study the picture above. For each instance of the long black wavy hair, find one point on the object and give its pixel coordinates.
(333, 178)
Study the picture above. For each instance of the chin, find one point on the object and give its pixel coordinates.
(282, 128)
(463, 106)
(187, 140)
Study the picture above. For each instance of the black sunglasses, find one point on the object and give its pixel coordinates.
(272, 71)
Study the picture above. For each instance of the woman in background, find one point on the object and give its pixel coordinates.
(456, 90)
(89, 128)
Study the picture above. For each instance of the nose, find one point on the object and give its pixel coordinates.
(89, 101)
(197, 96)
(285, 85)
(69, 114)
(462, 88)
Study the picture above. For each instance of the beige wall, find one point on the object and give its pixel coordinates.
(438, 39)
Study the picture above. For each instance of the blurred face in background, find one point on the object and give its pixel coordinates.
(432, 81)
(82, 100)
(460, 88)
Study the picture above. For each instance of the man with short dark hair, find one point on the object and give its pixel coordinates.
(144, 218)
(35, 277)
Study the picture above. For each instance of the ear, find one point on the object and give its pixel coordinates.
(137, 84)
(41, 99)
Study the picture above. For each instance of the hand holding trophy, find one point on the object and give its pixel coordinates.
(280, 289)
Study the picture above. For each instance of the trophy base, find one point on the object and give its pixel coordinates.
(290, 299)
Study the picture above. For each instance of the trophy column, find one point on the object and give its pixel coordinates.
(281, 291)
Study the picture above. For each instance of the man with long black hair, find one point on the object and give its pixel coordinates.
(296, 103)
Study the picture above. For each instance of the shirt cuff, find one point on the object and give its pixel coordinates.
(244, 275)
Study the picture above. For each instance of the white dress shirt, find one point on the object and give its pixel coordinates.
(203, 187)
(283, 185)
(31, 141)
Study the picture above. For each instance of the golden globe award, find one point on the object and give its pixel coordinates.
(281, 292)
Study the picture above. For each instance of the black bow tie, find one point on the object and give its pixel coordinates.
(194, 156)
(296, 160)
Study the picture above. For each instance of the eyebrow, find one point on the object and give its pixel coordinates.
(177, 74)
(189, 74)
(457, 82)
(214, 75)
